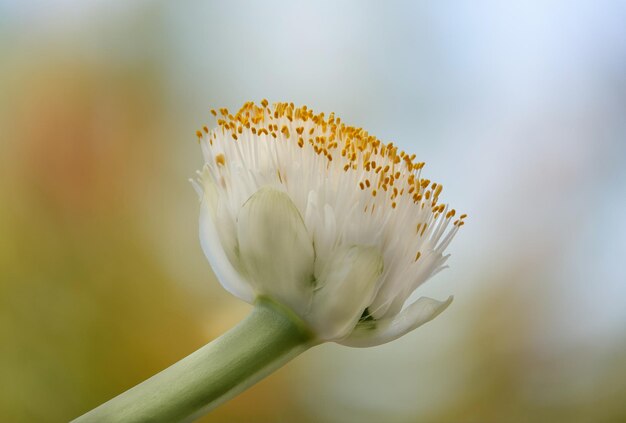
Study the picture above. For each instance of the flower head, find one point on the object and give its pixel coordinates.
(323, 218)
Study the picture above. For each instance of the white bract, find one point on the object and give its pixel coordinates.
(322, 218)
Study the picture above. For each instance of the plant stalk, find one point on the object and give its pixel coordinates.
(264, 341)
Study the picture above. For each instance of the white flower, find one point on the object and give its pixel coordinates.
(322, 218)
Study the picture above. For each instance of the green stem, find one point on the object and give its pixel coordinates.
(267, 339)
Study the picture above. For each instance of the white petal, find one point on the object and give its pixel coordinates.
(382, 331)
(391, 297)
(217, 249)
(276, 249)
(197, 188)
(347, 285)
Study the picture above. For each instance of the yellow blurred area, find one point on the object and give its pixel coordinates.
(88, 309)
(102, 280)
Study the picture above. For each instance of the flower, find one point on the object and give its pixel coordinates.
(322, 218)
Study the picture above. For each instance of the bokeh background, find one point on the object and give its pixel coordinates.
(518, 108)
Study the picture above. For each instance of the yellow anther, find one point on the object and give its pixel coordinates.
(398, 172)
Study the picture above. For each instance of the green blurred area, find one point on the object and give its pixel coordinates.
(102, 281)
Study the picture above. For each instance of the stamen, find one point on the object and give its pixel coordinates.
(392, 175)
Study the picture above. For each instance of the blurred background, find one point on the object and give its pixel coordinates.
(518, 108)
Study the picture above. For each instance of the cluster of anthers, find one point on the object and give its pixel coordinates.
(363, 207)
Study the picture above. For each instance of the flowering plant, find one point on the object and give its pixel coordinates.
(321, 226)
